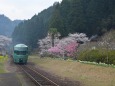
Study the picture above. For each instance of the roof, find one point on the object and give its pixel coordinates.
(20, 45)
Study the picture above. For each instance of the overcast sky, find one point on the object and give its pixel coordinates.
(23, 9)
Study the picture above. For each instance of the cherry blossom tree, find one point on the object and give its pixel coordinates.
(4, 43)
(46, 43)
(53, 33)
(71, 48)
(79, 37)
(64, 47)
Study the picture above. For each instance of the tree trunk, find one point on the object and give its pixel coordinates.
(52, 40)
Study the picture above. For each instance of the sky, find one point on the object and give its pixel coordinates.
(23, 9)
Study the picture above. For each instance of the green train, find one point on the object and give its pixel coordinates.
(20, 53)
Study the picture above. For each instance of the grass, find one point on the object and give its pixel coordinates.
(2, 62)
(87, 74)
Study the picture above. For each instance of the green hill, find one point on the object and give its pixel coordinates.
(29, 31)
(93, 17)
(7, 26)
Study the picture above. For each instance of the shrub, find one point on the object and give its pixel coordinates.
(98, 55)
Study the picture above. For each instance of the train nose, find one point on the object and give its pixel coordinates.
(21, 60)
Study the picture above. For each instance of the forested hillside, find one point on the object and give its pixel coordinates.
(7, 26)
(88, 16)
(29, 31)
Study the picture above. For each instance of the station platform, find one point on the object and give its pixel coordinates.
(9, 79)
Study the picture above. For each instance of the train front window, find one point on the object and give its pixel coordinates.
(20, 52)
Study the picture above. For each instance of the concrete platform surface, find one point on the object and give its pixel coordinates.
(9, 79)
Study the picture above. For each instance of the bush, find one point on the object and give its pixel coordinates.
(98, 55)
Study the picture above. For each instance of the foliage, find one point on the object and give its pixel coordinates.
(4, 41)
(84, 16)
(46, 43)
(29, 31)
(66, 49)
(63, 47)
(53, 33)
(108, 40)
(2, 61)
(98, 56)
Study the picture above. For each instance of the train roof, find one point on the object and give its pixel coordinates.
(20, 45)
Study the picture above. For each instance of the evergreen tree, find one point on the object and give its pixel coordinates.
(84, 16)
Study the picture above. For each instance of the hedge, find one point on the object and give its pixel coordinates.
(98, 55)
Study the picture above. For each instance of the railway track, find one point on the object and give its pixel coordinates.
(37, 78)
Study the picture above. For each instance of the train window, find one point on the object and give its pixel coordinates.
(20, 52)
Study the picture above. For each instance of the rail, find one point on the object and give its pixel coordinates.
(39, 79)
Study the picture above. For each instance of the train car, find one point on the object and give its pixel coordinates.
(20, 53)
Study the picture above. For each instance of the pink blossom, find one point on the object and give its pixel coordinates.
(69, 49)
(54, 50)
(66, 46)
